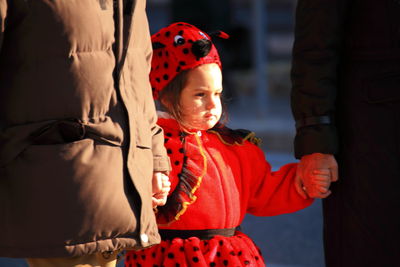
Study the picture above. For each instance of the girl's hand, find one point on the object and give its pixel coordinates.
(318, 183)
(161, 188)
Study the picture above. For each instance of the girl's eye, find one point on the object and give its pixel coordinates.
(200, 94)
(202, 34)
(179, 40)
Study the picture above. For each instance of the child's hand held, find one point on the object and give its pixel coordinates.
(161, 187)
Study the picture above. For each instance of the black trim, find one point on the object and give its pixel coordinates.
(206, 234)
(310, 121)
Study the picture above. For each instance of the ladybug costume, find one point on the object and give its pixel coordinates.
(218, 176)
(180, 46)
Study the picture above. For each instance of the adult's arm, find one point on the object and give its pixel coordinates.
(161, 161)
(317, 49)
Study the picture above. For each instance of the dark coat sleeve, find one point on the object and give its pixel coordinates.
(317, 48)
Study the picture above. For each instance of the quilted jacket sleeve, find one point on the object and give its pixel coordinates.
(160, 158)
(317, 47)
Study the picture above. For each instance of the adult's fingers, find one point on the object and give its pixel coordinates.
(334, 173)
(325, 195)
(323, 189)
(325, 172)
(320, 194)
(321, 178)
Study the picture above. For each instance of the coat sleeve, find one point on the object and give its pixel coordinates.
(160, 158)
(317, 47)
(273, 193)
(3, 14)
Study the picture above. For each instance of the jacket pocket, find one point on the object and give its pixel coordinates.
(384, 88)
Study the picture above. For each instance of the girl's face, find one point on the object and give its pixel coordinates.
(200, 99)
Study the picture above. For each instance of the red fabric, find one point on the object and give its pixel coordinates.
(237, 180)
(173, 53)
(238, 250)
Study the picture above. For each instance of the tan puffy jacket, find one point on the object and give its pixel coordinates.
(78, 134)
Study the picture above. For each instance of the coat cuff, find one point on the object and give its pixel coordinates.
(316, 139)
(313, 121)
(161, 164)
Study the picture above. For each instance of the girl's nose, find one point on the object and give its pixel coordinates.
(212, 102)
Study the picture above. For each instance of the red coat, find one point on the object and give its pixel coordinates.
(226, 176)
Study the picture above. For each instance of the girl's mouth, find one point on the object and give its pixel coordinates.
(209, 116)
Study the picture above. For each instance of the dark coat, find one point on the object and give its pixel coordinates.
(346, 101)
(78, 134)
(330, 37)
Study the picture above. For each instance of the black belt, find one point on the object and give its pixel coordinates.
(205, 234)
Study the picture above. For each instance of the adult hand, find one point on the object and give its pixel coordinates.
(311, 165)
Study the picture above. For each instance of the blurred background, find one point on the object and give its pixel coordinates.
(256, 57)
(256, 68)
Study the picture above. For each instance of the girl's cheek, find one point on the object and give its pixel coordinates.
(194, 109)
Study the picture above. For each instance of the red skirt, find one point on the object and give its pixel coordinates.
(238, 250)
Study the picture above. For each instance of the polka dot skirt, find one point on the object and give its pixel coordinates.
(238, 250)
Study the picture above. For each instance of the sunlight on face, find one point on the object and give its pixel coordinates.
(201, 97)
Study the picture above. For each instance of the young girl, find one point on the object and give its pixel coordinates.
(218, 174)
